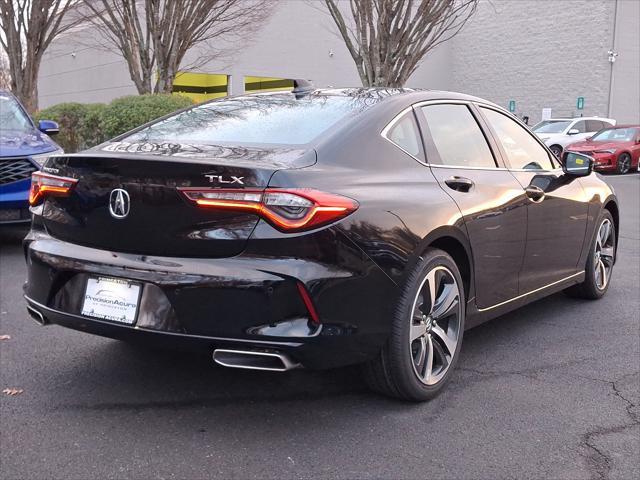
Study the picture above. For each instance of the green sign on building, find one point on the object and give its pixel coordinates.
(512, 106)
(580, 103)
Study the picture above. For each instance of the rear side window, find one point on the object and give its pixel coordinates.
(263, 119)
(457, 137)
(522, 150)
(594, 125)
(404, 133)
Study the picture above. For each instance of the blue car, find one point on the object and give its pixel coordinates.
(23, 149)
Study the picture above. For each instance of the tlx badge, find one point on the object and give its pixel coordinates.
(221, 179)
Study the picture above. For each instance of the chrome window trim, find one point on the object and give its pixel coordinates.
(392, 124)
(492, 106)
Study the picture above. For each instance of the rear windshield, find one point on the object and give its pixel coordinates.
(264, 119)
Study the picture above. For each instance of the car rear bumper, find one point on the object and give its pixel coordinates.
(245, 302)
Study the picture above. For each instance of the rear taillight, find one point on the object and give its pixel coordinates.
(289, 210)
(45, 185)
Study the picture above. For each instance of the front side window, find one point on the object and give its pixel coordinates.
(580, 126)
(522, 150)
(12, 116)
(457, 137)
(404, 134)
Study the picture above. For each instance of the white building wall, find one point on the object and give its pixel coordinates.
(542, 53)
(625, 83)
(296, 42)
(73, 71)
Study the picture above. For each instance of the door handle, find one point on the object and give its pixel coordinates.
(535, 194)
(460, 184)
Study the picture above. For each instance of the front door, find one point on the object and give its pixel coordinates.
(557, 208)
(490, 199)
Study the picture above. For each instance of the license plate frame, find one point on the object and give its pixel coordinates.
(9, 214)
(112, 299)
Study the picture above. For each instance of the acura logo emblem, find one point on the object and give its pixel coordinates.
(119, 203)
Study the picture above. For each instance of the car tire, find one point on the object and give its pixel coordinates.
(598, 263)
(423, 347)
(556, 150)
(624, 163)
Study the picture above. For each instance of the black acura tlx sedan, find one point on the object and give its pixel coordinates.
(317, 228)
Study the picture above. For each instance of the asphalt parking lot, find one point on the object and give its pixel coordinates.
(549, 391)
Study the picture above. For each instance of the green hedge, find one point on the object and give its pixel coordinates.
(72, 120)
(126, 113)
(86, 125)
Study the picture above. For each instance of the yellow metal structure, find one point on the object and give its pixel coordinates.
(200, 86)
(266, 84)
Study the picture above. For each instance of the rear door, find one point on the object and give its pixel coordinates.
(556, 204)
(491, 200)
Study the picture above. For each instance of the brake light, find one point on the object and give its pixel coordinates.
(43, 185)
(289, 210)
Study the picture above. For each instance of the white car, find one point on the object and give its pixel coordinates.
(557, 133)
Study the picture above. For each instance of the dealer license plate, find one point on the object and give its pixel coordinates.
(112, 299)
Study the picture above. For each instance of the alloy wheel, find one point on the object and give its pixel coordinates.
(435, 325)
(604, 253)
(624, 163)
(557, 151)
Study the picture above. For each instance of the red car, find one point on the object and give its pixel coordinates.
(615, 149)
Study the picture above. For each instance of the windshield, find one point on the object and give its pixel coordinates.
(551, 126)
(12, 117)
(267, 119)
(616, 134)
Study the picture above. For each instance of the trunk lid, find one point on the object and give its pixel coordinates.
(160, 220)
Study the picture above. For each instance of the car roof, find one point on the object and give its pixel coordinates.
(560, 119)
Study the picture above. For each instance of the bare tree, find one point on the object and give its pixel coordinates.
(389, 38)
(27, 28)
(155, 35)
(5, 76)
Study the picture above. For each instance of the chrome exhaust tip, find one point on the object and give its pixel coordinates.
(37, 316)
(254, 360)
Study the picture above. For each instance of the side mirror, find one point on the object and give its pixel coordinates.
(49, 127)
(573, 131)
(576, 164)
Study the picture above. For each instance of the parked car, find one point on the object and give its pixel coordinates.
(557, 133)
(317, 228)
(614, 149)
(23, 149)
